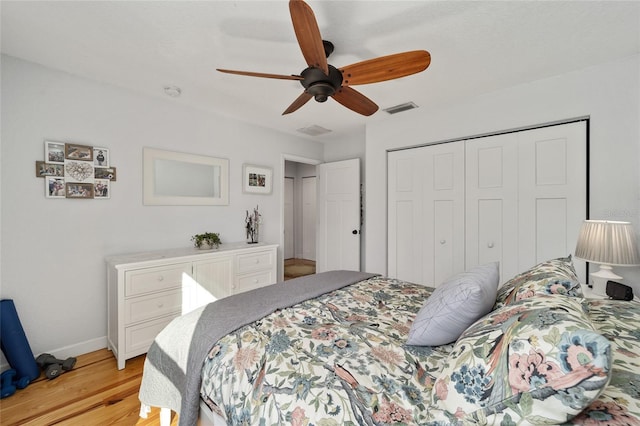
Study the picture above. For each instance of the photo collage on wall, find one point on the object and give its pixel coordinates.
(76, 171)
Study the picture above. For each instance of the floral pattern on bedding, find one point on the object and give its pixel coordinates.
(555, 276)
(537, 361)
(619, 404)
(339, 359)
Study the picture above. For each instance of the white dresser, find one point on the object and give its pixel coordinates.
(147, 290)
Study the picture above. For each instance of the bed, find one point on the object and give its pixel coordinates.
(350, 348)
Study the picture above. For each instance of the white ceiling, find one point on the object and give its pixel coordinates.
(476, 47)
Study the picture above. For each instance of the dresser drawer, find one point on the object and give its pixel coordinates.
(138, 338)
(250, 281)
(154, 279)
(257, 261)
(152, 306)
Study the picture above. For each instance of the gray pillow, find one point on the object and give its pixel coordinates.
(455, 305)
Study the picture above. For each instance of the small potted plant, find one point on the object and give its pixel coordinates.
(206, 241)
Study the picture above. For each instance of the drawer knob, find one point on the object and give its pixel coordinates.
(255, 281)
(257, 260)
(443, 241)
(160, 305)
(160, 278)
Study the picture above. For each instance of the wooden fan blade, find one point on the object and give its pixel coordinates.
(386, 68)
(261, 74)
(300, 100)
(355, 101)
(308, 34)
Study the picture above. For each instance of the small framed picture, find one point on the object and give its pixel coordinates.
(257, 179)
(100, 157)
(54, 152)
(78, 152)
(102, 188)
(79, 190)
(79, 171)
(45, 169)
(105, 173)
(54, 187)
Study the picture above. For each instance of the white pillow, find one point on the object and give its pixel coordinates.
(455, 305)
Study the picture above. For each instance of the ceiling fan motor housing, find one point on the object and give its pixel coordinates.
(320, 85)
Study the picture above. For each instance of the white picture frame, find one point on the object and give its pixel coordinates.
(54, 152)
(54, 187)
(100, 157)
(257, 179)
(102, 189)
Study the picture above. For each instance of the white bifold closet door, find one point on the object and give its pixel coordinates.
(517, 198)
(426, 213)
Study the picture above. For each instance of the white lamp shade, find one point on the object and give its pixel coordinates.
(608, 242)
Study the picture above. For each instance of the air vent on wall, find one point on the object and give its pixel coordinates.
(314, 130)
(399, 108)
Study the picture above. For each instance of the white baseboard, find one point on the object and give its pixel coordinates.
(67, 351)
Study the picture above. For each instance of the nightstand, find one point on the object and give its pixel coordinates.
(589, 294)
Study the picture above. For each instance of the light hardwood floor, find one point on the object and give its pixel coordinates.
(95, 392)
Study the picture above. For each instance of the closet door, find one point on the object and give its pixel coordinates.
(526, 197)
(517, 198)
(492, 202)
(405, 228)
(426, 213)
(553, 193)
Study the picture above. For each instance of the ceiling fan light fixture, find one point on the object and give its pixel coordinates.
(321, 91)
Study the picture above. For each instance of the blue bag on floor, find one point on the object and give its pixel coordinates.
(14, 343)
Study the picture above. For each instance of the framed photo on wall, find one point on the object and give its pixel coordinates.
(54, 187)
(105, 173)
(102, 189)
(100, 157)
(78, 152)
(78, 171)
(257, 179)
(46, 169)
(79, 190)
(54, 152)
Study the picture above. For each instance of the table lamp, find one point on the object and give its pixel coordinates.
(609, 243)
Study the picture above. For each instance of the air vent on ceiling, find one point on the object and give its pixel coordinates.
(314, 130)
(399, 108)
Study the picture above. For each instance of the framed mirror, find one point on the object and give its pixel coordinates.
(180, 179)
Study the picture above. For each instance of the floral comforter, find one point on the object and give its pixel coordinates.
(619, 404)
(341, 359)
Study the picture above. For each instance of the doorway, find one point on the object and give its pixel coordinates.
(300, 207)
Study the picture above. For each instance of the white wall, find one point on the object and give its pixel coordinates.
(609, 94)
(53, 250)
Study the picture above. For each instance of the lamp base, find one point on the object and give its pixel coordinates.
(600, 279)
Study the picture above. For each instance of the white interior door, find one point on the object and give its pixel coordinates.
(553, 201)
(288, 219)
(492, 202)
(426, 213)
(309, 206)
(338, 216)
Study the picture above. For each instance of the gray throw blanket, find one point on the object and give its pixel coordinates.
(172, 369)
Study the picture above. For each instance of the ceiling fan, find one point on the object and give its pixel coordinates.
(322, 80)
